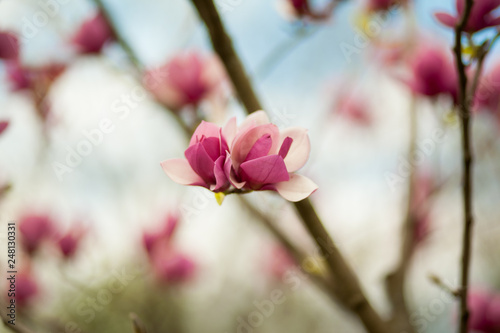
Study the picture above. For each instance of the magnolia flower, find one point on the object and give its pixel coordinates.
(185, 80)
(432, 71)
(263, 158)
(9, 46)
(481, 15)
(93, 35)
(34, 229)
(255, 156)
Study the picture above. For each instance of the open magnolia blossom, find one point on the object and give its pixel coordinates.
(256, 156)
(483, 15)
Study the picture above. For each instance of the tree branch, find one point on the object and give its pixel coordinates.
(224, 48)
(350, 294)
(467, 160)
(395, 281)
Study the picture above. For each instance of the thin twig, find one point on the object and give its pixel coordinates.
(467, 160)
(350, 294)
(137, 324)
(224, 47)
(118, 35)
(395, 281)
(134, 59)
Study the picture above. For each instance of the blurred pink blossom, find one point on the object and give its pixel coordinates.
(3, 125)
(35, 229)
(484, 307)
(432, 71)
(352, 105)
(302, 9)
(26, 288)
(171, 266)
(69, 242)
(168, 263)
(150, 239)
(423, 187)
(93, 35)
(487, 96)
(279, 261)
(482, 15)
(9, 46)
(186, 80)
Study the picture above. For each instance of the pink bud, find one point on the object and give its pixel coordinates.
(34, 229)
(483, 15)
(69, 242)
(93, 35)
(185, 80)
(432, 71)
(9, 46)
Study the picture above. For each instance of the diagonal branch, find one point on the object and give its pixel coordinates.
(351, 294)
(467, 160)
(224, 47)
(395, 281)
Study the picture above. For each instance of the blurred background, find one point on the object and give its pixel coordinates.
(85, 132)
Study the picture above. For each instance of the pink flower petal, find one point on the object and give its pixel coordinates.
(204, 129)
(229, 172)
(244, 143)
(229, 131)
(297, 188)
(264, 170)
(201, 162)
(180, 172)
(255, 119)
(260, 148)
(299, 150)
(285, 147)
(221, 182)
(446, 19)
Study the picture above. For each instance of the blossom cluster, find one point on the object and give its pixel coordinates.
(256, 156)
